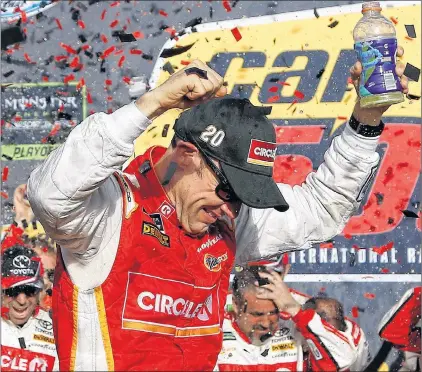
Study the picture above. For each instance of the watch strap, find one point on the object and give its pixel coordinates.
(364, 129)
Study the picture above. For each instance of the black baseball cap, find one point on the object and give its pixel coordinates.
(21, 266)
(238, 135)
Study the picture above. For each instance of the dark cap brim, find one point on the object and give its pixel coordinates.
(255, 190)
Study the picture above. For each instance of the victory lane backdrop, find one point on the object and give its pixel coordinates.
(296, 62)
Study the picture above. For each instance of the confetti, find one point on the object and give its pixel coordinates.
(193, 22)
(148, 57)
(8, 73)
(326, 245)
(355, 312)
(126, 79)
(104, 39)
(136, 51)
(227, 6)
(108, 82)
(411, 32)
(384, 270)
(68, 78)
(319, 74)
(5, 196)
(27, 58)
(89, 98)
(121, 61)
(412, 72)
(115, 3)
(333, 24)
(316, 13)
(114, 23)
(103, 14)
(74, 63)
(81, 24)
(171, 52)
(410, 214)
(168, 68)
(68, 48)
(185, 63)
(138, 34)
(165, 130)
(236, 33)
(107, 52)
(273, 99)
(5, 174)
(299, 94)
(348, 236)
(384, 248)
(273, 89)
(59, 25)
(124, 38)
(163, 13)
(369, 296)
(412, 96)
(394, 20)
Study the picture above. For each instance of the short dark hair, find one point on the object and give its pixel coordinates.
(334, 312)
(244, 281)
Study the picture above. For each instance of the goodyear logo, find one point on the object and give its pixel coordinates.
(152, 230)
(284, 346)
(43, 338)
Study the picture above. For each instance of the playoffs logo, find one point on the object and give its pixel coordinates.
(262, 153)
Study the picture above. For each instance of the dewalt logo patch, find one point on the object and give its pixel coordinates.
(152, 230)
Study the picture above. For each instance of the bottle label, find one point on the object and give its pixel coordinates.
(378, 58)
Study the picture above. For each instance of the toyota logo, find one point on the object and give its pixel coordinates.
(21, 262)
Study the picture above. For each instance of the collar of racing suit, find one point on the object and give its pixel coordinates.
(143, 169)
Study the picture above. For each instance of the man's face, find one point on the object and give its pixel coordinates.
(21, 302)
(256, 317)
(197, 204)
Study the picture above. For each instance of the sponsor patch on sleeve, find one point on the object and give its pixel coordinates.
(152, 230)
(229, 336)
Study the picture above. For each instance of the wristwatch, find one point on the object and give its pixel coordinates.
(366, 130)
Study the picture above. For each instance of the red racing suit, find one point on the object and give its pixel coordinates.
(304, 343)
(30, 347)
(136, 292)
(402, 326)
(163, 300)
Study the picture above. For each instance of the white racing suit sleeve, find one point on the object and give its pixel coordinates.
(72, 193)
(329, 348)
(319, 208)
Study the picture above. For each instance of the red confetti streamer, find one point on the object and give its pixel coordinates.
(5, 174)
(394, 20)
(45, 78)
(185, 63)
(116, 3)
(18, 118)
(68, 78)
(108, 82)
(117, 52)
(347, 236)
(121, 60)
(227, 6)
(163, 13)
(23, 16)
(104, 39)
(389, 175)
(342, 117)
(273, 89)
(126, 79)
(398, 132)
(355, 312)
(81, 83)
(326, 245)
(74, 63)
(293, 103)
(369, 296)
(60, 58)
(27, 58)
(355, 247)
(54, 130)
(114, 23)
(68, 48)
(384, 248)
(408, 38)
(299, 94)
(4, 195)
(107, 52)
(273, 99)
(236, 33)
(103, 14)
(285, 259)
(81, 24)
(109, 98)
(384, 270)
(402, 165)
(59, 25)
(138, 34)
(89, 98)
(283, 83)
(136, 51)
(85, 47)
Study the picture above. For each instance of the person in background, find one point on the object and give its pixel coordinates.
(271, 330)
(401, 326)
(27, 339)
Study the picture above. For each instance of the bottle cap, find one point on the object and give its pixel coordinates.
(371, 5)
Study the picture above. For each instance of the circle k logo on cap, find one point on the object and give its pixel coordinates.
(262, 153)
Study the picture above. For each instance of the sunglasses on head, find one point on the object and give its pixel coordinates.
(28, 290)
(223, 190)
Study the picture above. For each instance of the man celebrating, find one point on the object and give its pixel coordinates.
(274, 328)
(27, 340)
(146, 255)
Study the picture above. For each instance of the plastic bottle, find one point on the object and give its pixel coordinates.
(376, 48)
